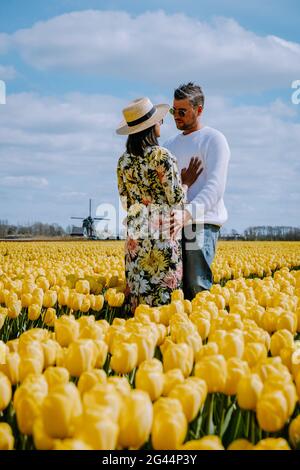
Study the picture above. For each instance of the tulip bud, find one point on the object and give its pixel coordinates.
(150, 378)
(49, 317)
(178, 356)
(124, 358)
(61, 410)
(212, 369)
(56, 376)
(6, 437)
(104, 395)
(272, 411)
(5, 391)
(121, 385)
(169, 424)
(279, 340)
(240, 444)
(272, 443)
(236, 370)
(66, 330)
(41, 440)
(135, 420)
(171, 378)
(249, 390)
(90, 378)
(205, 443)
(192, 395)
(50, 298)
(80, 357)
(34, 312)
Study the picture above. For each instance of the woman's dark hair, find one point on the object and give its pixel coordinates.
(136, 143)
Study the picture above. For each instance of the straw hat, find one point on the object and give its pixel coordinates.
(141, 114)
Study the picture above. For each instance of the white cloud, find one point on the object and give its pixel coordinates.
(27, 182)
(7, 72)
(160, 48)
(72, 142)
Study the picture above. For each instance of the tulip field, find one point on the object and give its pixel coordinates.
(78, 371)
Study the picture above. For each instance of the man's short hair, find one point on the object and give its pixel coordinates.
(191, 92)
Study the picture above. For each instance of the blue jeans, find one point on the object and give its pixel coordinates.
(198, 251)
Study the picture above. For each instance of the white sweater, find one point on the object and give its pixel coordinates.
(206, 194)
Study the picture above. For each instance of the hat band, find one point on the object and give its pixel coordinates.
(143, 118)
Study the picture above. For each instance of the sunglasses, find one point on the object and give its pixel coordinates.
(180, 112)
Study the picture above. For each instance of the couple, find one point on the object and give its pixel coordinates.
(148, 175)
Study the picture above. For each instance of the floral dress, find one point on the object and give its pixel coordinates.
(153, 263)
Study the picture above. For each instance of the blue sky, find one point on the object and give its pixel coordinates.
(71, 65)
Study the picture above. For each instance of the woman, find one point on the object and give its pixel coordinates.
(148, 177)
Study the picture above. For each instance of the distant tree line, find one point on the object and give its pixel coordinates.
(39, 229)
(35, 230)
(263, 233)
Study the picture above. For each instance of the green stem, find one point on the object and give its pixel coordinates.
(210, 422)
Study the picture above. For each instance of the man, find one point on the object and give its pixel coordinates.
(206, 213)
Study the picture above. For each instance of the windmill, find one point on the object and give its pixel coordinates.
(88, 229)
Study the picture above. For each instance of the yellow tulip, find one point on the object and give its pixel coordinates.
(41, 440)
(236, 370)
(61, 411)
(90, 378)
(49, 317)
(205, 443)
(240, 444)
(272, 411)
(121, 385)
(145, 346)
(14, 309)
(30, 365)
(56, 376)
(35, 386)
(104, 395)
(11, 367)
(124, 358)
(26, 300)
(169, 424)
(202, 324)
(50, 298)
(212, 369)
(66, 330)
(82, 286)
(294, 432)
(135, 420)
(178, 356)
(5, 391)
(97, 429)
(63, 296)
(172, 378)
(50, 348)
(6, 437)
(279, 340)
(249, 390)
(232, 344)
(27, 411)
(150, 378)
(288, 321)
(272, 443)
(254, 353)
(191, 395)
(177, 294)
(70, 444)
(100, 353)
(80, 357)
